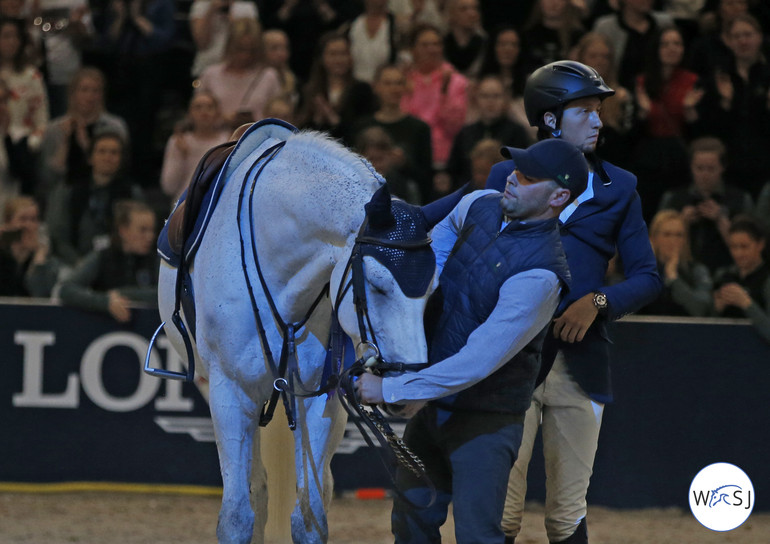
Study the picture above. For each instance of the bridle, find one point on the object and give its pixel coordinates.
(355, 270)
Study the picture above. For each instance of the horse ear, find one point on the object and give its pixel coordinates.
(438, 209)
(379, 209)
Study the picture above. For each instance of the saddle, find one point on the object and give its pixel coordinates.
(183, 232)
(182, 221)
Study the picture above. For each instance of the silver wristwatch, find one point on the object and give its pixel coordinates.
(600, 302)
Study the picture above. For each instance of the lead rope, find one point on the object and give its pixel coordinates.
(372, 418)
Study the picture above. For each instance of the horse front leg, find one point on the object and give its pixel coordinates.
(234, 416)
(320, 428)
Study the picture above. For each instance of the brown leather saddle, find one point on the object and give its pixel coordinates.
(182, 221)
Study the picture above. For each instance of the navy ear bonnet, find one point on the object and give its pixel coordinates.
(396, 235)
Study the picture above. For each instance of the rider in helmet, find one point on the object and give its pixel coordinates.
(563, 100)
(550, 88)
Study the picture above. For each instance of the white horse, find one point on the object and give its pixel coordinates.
(308, 205)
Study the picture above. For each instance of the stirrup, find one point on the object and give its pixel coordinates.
(188, 376)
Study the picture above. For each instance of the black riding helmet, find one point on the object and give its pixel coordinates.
(552, 86)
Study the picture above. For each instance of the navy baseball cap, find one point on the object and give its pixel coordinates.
(552, 159)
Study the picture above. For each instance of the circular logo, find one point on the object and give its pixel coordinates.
(721, 497)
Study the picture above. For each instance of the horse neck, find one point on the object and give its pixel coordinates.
(309, 228)
(306, 269)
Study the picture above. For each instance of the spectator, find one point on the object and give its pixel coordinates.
(202, 129)
(465, 40)
(685, 14)
(438, 95)
(410, 13)
(125, 273)
(410, 135)
(762, 208)
(553, 28)
(27, 269)
(507, 13)
(305, 21)
(666, 96)
(62, 27)
(333, 99)
(28, 103)
(687, 283)
(736, 106)
(135, 37)
(617, 114)
(377, 147)
(709, 204)
(67, 139)
(743, 288)
(277, 52)
(80, 215)
(711, 49)
(484, 155)
(504, 59)
(210, 22)
(493, 123)
(14, 9)
(631, 30)
(16, 173)
(18, 10)
(373, 39)
(242, 82)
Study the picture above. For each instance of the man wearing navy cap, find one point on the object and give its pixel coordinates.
(502, 272)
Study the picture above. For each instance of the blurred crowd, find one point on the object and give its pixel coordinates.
(106, 106)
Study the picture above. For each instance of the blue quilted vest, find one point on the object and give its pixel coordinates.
(482, 259)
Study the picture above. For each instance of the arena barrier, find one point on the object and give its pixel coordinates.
(75, 407)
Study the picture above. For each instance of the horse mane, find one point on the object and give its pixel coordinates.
(318, 142)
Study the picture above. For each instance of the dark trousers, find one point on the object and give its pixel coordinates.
(468, 457)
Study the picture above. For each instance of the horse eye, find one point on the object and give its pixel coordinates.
(378, 290)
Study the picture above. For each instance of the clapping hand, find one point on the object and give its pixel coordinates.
(671, 267)
(732, 294)
(693, 97)
(324, 112)
(710, 209)
(724, 88)
(643, 100)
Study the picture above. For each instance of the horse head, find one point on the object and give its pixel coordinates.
(382, 301)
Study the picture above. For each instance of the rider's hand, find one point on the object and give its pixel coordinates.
(369, 388)
(572, 325)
